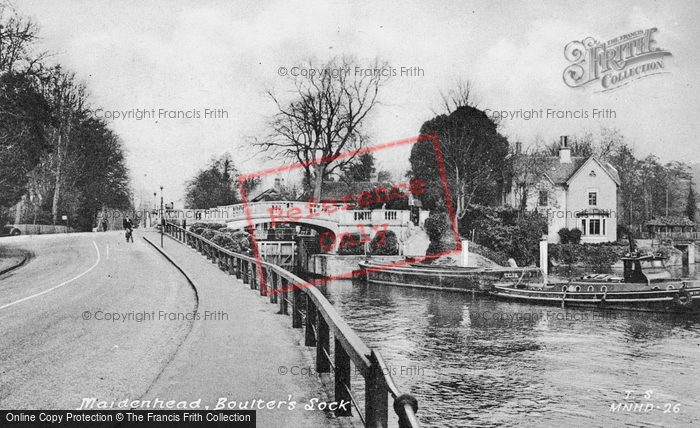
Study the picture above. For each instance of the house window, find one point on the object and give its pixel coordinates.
(592, 198)
(543, 198)
(604, 227)
(583, 227)
(594, 227)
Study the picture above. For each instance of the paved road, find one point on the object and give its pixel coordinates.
(51, 357)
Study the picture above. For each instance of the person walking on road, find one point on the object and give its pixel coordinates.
(129, 228)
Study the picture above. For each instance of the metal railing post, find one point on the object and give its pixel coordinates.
(309, 336)
(376, 398)
(262, 277)
(253, 275)
(272, 284)
(342, 379)
(284, 296)
(323, 345)
(296, 309)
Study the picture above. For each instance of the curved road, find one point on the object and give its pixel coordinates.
(57, 345)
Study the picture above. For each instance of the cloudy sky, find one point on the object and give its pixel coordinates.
(191, 56)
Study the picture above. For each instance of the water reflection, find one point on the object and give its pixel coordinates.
(473, 361)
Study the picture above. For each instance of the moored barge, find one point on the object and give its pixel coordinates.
(646, 285)
(445, 278)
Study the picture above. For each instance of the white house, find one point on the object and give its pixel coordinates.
(575, 192)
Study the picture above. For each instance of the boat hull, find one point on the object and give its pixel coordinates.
(472, 280)
(667, 300)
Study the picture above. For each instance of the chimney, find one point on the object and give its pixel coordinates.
(278, 184)
(373, 177)
(518, 147)
(564, 150)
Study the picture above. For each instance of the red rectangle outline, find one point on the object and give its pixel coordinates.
(398, 143)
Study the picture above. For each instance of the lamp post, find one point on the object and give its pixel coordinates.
(162, 217)
(154, 204)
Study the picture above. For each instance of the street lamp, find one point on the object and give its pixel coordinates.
(162, 217)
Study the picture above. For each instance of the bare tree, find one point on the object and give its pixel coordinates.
(528, 169)
(67, 99)
(325, 117)
(463, 94)
(17, 37)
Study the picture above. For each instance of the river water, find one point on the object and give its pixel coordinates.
(473, 361)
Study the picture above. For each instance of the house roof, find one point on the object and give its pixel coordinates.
(270, 194)
(561, 173)
(669, 221)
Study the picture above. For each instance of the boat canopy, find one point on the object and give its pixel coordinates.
(645, 269)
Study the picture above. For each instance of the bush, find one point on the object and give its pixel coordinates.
(384, 244)
(575, 236)
(197, 225)
(563, 235)
(351, 245)
(222, 240)
(598, 255)
(495, 256)
(208, 233)
(439, 229)
(198, 230)
(506, 230)
(243, 240)
(215, 226)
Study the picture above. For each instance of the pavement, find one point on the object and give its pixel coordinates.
(240, 352)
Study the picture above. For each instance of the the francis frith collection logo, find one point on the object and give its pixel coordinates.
(616, 62)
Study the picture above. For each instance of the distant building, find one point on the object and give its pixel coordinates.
(277, 193)
(574, 193)
(669, 226)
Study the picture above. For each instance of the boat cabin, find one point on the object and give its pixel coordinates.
(645, 269)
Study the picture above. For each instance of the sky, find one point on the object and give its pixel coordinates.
(190, 56)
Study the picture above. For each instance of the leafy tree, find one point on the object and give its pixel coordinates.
(99, 177)
(325, 119)
(361, 169)
(213, 186)
(24, 118)
(475, 157)
(250, 184)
